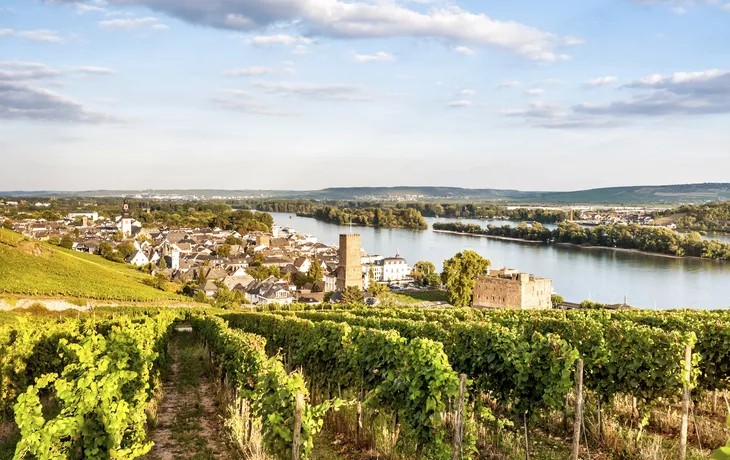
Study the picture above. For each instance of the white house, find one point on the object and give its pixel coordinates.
(138, 259)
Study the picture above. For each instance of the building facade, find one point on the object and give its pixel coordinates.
(507, 288)
(349, 269)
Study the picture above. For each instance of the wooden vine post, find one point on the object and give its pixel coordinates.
(297, 426)
(459, 420)
(578, 409)
(685, 404)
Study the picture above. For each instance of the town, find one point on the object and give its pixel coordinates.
(280, 267)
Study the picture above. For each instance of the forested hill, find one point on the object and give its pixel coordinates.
(629, 195)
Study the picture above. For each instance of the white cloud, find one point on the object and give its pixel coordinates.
(242, 101)
(20, 70)
(535, 92)
(105, 101)
(600, 81)
(258, 71)
(280, 39)
(725, 7)
(678, 10)
(160, 27)
(7, 10)
(21, 101)
(537, 109)
(300, 49)
(41, 36)
(509, 84)
(86, 8)
(465, 50)
(130, 23)
(467, 92)
(682, 93)
(380, 56)
(358, 20)
(460, 104)
(325, 91)
(6, 32)
(91, 71)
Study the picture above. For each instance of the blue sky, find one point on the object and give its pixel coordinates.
(302, 94)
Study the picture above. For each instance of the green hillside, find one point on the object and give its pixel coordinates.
(39, 269)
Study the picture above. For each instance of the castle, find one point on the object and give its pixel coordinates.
(507, 288)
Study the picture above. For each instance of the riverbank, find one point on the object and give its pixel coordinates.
(579, 246)
(494, 237)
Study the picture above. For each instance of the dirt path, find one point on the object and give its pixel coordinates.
(188, 425)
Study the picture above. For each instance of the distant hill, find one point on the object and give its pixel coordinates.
(667, 195)
(29, 267)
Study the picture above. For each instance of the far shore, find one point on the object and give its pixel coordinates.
(495, 237)
(579, 246)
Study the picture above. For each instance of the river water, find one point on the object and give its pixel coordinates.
(602, 275)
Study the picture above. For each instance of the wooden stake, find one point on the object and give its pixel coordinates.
(600, 421)
(396, 433)
(297, 426)
(358, 432)
(578, 408)
(714, 400)
(458, 420)
(527, 438)
(685, 405)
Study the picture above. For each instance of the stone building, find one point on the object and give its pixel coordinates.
(507, 288)
(349, 269)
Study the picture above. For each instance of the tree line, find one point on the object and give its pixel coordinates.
(648, 239)
(710, 217)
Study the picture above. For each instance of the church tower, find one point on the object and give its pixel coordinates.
(126, 220)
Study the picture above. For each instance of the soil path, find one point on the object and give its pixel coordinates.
(188, 424)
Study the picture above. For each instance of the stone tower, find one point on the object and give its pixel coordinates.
(349, 271)
(126, 220)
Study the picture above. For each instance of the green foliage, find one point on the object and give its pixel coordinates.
(459, 276)
(648, 239)
(556, 300)
(264, 383)
(224, 250)
(66, 242)
(352, 294)
(424, 272)
(261, 272)
(315, 270)
(102, 392)
(410, 378)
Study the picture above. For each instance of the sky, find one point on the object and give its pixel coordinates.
(307, 94)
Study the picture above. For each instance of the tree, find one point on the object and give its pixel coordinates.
(163, 263)
(375, 289)
(126, 249)
(66, 242)
(118, 236)
(315, 270)
(557, 300)
(224, 250)
(424, 272)
(7, 225)
(232, 240)
(459, 276)
(352, 294)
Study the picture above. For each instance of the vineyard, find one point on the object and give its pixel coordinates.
(372, 382)
(39, 269)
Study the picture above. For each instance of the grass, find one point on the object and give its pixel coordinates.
(414, 297)
(39, 269)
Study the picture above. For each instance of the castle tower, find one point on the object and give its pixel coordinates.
(349, 270)
(126, 220)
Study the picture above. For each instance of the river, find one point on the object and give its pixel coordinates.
(602, 275)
